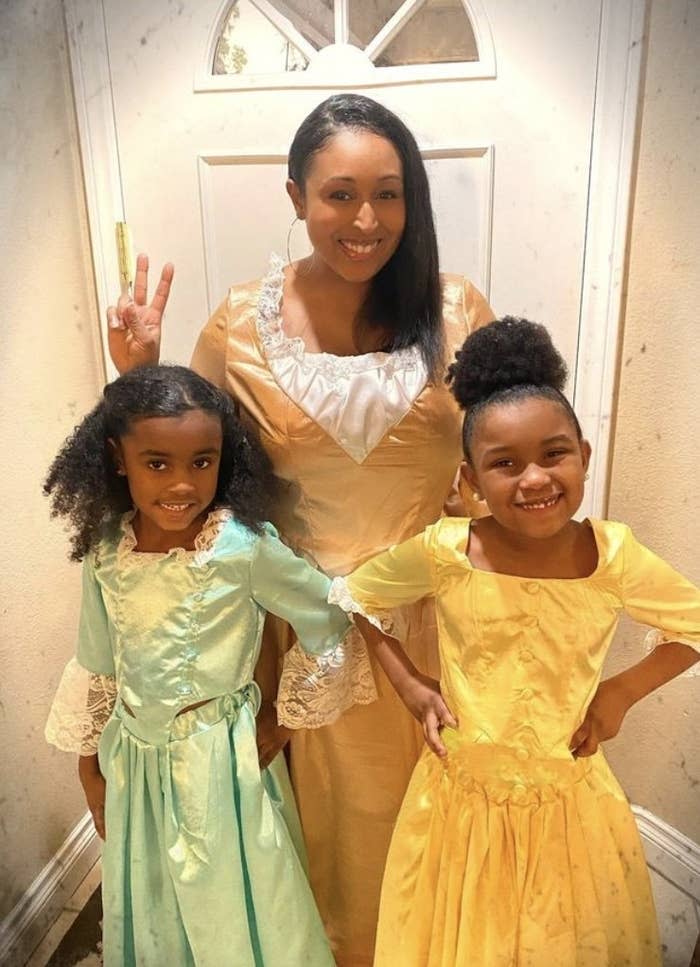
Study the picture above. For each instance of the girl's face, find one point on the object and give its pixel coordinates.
(353, 204)
(529, 465)
(172, 467)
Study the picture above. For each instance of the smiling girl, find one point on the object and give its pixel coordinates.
(167, 497)
(515, 844)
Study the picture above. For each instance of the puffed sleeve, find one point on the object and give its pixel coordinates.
(655, 594)
(401, 575)
(87, 691)
(291, 588)
(327, 670)
(209, 357)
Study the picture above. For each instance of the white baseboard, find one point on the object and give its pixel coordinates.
(670, 853)
(25, 925)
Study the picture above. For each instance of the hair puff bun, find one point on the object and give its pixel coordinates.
(506, 353)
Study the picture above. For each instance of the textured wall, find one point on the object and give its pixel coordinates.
(654, 484)
(49, 375)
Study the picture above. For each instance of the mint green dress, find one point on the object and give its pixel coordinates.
(203, 861)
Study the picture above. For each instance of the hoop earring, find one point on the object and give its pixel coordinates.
(289, 238)
(586, 476)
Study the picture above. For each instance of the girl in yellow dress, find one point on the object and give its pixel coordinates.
(515, 845)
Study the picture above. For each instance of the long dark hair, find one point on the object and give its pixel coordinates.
(510, 359)
(83, 482)
(405, 296)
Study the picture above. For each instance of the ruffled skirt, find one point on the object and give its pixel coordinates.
(499, 862)
(203, 862)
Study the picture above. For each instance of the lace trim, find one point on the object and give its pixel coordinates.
(204, 543)
(655, 637)
(315, 690)
(277, 344)
(339, 593)
(81, 709)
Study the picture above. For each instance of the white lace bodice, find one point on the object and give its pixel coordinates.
(355, 399)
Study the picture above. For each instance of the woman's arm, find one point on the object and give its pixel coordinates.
(134, 325)
(271, 737)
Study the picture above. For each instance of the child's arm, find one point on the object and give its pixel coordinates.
(403, 574)
(653, 593)
(94, 787)
(328, 670)
(420, 694)
(616, 695)
(86, 695)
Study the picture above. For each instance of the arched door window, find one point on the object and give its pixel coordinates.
(346, 43)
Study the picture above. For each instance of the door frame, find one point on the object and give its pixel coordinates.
(611, 177)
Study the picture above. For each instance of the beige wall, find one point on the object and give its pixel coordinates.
(656, 465)
(49, 375)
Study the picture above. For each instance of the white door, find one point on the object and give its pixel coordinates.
(505, 99)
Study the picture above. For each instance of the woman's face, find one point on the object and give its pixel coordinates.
(353, 204)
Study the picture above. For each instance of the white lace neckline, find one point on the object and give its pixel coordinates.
(204, 542)
(276, 343)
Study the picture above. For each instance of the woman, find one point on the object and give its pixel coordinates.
(339, 360)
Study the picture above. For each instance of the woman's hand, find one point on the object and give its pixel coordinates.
(133, 326)
(94, 787)
(422, 697)
(603, 718)
(271, 737)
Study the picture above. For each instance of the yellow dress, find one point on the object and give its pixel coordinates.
(510, 852)
(368, 451)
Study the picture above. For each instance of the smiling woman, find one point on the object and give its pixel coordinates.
(339, 361)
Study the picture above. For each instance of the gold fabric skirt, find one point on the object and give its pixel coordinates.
(499, 861)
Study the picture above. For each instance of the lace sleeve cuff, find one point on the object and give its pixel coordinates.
(315, 690)
(339, 594)
(80, 710)
(656, 637)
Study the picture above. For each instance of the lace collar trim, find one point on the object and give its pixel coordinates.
(276, 344)
(204, 542)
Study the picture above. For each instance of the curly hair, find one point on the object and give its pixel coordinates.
(83, 483)
(508, 360)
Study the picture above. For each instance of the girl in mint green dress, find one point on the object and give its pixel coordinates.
(203, 861)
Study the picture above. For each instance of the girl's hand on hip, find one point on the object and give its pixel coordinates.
(422, 697)
(271, 737)
(134, 325)
(94, 787)
(603, 719)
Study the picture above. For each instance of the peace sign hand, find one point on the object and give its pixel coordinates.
(134, 326)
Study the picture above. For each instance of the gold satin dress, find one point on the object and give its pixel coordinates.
(509, 852)
(369, 452)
